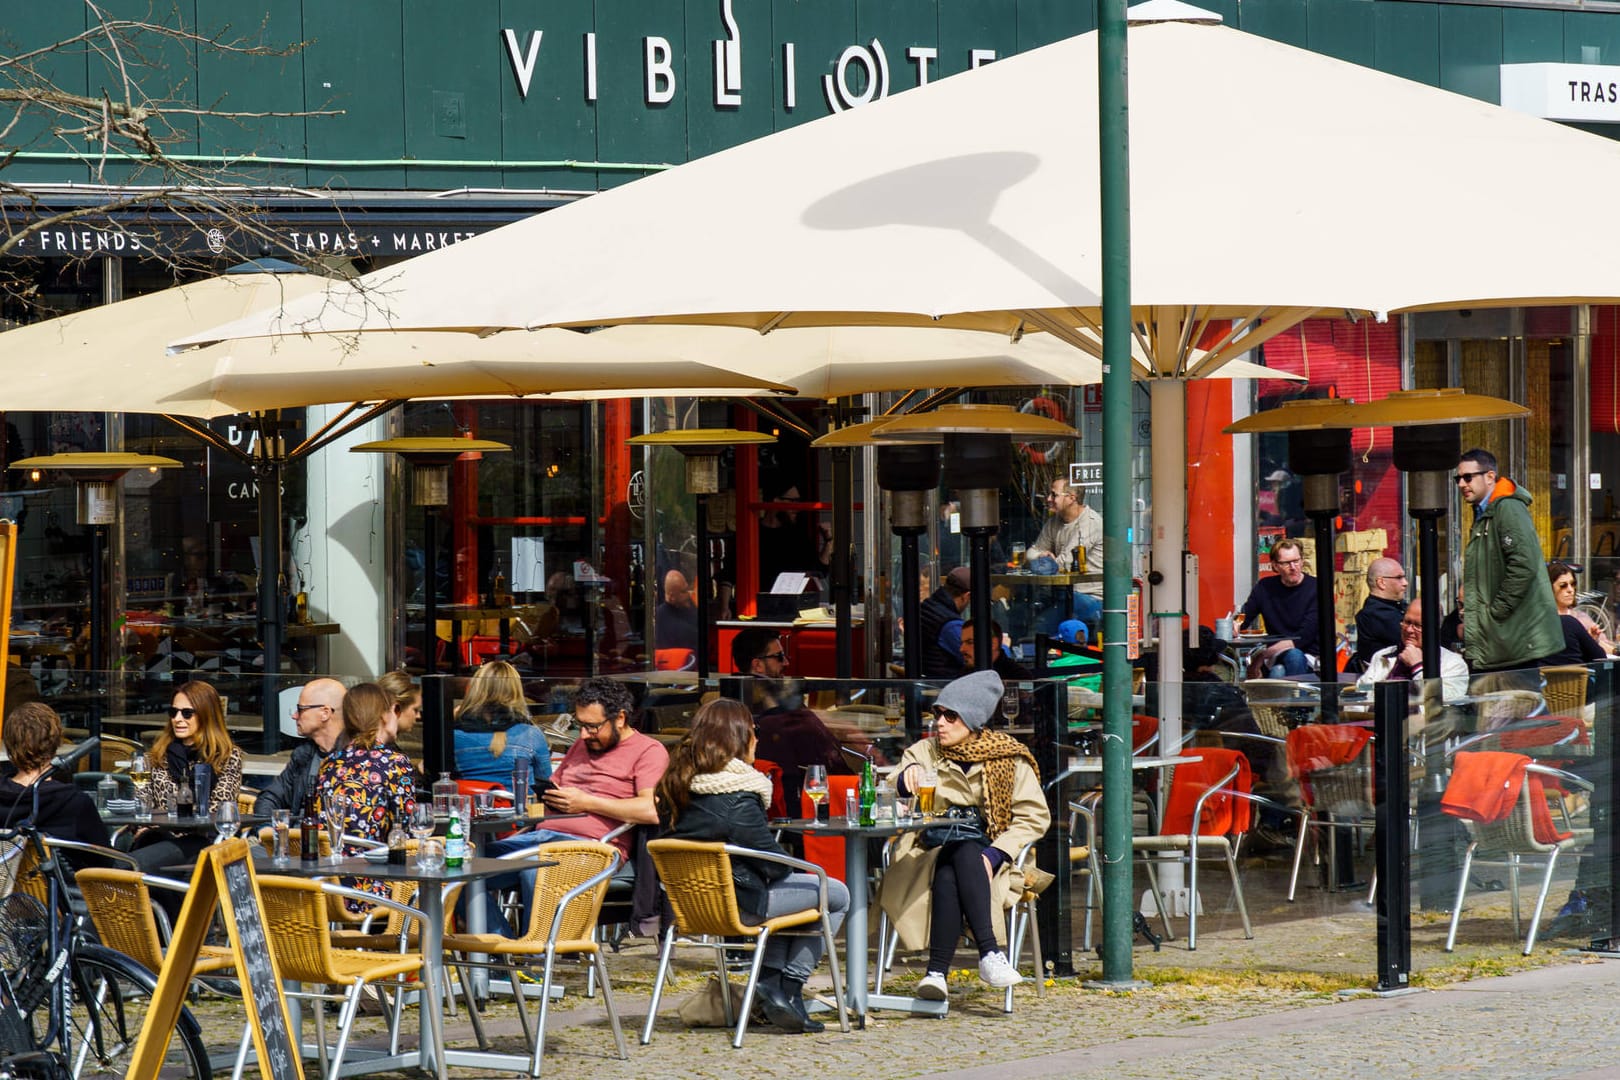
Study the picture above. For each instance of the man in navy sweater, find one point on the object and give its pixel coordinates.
(1288, 604)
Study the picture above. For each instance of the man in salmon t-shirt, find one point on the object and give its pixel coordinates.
(608, 776)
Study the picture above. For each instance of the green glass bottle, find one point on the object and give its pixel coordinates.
(455, 844)
(867, 795)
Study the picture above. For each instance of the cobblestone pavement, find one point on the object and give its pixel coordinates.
(1234, 1008)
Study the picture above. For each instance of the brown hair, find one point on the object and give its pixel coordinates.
(32, 733)
(398, 685)
(363, 710)
(213, 740)
(720, 731)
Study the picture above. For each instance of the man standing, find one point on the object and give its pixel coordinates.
(1405, 661)
(676, 618)
(319, 717)
(941, 629)
(1002, 664)
(1072, 524)
(1378, 623)
(1287, 601)
(1510, 620)
(789, 734)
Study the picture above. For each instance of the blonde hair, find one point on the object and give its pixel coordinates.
(495, 684)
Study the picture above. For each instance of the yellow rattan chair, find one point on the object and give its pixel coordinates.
(295, 914)
(1565, 689)
(120, 906)
(697, 879)
(567, 904)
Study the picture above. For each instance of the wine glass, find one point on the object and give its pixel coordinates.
(421, 825)
(1010, 704)
(337, 812)
(894, 708)
(815, 786)
(140, 774)
(227, 818)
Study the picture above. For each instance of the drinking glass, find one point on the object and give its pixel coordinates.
(926, 782)
(894, 708)
(227, 818)
(430, 856)
(1010, 704)
(422, 822)
(815, 786)
(483, 803)
(1018, 550)
(140, 774)
(337, 813)
(281, 824)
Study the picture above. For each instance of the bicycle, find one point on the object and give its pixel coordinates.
(86, 1023)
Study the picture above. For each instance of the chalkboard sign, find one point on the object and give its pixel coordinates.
(224, 876)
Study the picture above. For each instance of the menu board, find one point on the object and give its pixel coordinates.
(224, 877)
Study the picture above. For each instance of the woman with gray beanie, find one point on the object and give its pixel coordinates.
(929, 892)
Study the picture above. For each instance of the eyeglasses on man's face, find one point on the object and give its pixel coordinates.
(779, 656)
(1408, 624)
(1287, 562)
(300, 710)
(592, 729)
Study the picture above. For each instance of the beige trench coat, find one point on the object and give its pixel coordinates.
(907, 895)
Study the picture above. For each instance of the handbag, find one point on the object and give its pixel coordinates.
(960, 823)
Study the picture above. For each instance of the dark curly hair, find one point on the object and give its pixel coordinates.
(613, 696)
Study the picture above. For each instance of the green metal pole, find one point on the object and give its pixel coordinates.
(1113, 132)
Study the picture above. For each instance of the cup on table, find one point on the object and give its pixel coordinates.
(520, 787)
(483, 803)
(927, 780)
(1225, 630)
(281, 825)
(904, 808)
(431, 854)
(852, 811)
(885, 809)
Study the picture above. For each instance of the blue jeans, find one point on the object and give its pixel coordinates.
(495, 921)
(797, 957)
(1292, 662)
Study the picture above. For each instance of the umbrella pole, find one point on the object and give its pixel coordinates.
(702, 585)
(910, 600)
(430, 592)
(1114, 183)
(842, 528)
(98, 619)
(268, 469)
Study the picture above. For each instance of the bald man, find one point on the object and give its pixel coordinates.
(319, 717)
(1378, 623)
(675, 624)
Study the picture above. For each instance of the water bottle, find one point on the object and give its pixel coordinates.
(106, 791)
(520, 788)
(455, 844)
(444, 789)
(868, 796)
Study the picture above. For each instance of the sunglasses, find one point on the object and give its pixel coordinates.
(175, 710)
(946, 714)
(1467, 477)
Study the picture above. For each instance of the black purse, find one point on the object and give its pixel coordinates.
(961, 823)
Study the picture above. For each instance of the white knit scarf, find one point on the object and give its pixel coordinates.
(736, 776)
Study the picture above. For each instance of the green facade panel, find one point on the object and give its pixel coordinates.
(630, 128)
(232, 82)
(1041, 22)
(725, 108)
(1591, 38)
(1279, 20)
(1408, 41)
(452, 90)
(1343, 29)
(355, 62)
(556, 119)
(1471, 51)
(969, 25)
(160, 69)
(818, 33)
(1532, 37)
(27, 27)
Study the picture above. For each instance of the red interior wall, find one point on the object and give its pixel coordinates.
(1210, 505)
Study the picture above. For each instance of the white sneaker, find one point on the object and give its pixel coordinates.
(995, 969)
(932, 987)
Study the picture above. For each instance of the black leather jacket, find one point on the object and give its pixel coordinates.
(735, 817)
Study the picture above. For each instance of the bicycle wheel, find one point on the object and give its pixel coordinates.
(111, 997)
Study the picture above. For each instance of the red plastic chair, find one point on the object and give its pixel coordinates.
(673, 659)
(778, 806)
(827, 852)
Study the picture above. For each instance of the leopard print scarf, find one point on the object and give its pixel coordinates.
(999, 753)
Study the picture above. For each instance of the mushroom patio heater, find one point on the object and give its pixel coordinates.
(908, 471)
(978, 460)
(96, 476)
(702, 447)
(430, 458)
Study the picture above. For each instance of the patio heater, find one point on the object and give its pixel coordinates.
(702, 447)
(1318, 432)
(978, 461)
(909, 472)
(96, 475)
(430, 458)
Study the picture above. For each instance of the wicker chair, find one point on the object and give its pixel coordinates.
(698, 881)
(567, 903)
(295, 912)
(1565, 689)
(1280, 704)
(1512, 842)
(121, 907)
(1339, 797)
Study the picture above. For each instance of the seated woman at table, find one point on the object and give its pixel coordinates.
(407, 699)
(493, 729)
(367, 780)
(711, 791)
(32, 733)
(195, 736)
(1584, 640)
(929, 892)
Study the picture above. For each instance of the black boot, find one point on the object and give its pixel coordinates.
(793, 989)
(778, 1003)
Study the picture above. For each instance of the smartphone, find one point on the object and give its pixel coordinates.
(543, 786)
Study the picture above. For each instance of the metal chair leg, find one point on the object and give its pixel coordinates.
(658, 984)
(748, 991)
(1462, 891)
(1541, 901)
(600, 968)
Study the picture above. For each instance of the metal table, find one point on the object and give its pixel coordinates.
(856, 934)
(430, 899)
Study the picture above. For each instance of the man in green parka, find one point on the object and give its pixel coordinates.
(1510, 621)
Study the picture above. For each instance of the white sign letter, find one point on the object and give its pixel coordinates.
(979, 57)
(660, 70)
(590, 67)
(728, 60)
(922, 56)
(523, 67)
(790, 92)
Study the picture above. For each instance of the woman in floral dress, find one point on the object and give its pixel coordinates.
(368, 781)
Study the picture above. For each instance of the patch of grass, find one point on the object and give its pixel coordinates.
(1308, 982)
(1485, 966)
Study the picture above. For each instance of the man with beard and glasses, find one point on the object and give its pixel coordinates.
(607, 777)
(789, 734)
